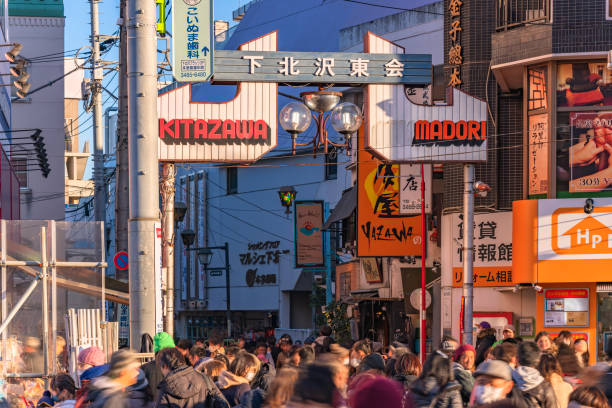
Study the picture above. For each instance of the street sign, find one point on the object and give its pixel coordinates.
(192, 40)
(216, 272)
(121, 260)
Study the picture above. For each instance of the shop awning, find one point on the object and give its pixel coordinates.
(344, 208)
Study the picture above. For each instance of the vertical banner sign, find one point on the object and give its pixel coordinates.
(538, 154)
(410, 188)
(192, 40)
(309, 249)
(159, 318)
(455, 53)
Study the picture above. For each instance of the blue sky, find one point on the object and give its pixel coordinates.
(77, 35)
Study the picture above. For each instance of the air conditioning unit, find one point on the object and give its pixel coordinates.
(192, 304)
(201, 304)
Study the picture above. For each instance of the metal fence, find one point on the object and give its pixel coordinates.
(514, 13)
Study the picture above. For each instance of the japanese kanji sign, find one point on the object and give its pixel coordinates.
(410, 188)
(538, 154)
(326, 67)
(192, 40)
(492, 249)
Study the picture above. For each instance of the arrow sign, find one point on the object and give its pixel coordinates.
(192, 27)
(205, 51)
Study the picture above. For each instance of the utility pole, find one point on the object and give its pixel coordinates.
(122, 177)
(468, 252)
(143, 169)
(96, 95)
(167, 195)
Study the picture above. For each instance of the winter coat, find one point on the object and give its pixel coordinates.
(425, 392)
(537, 391)
(233, 387)
(253, 399)
(138, 394)
(154, 377)
(106, 393)
(82, 397)
(405, 380)
(465, 379)
(562, 390)
(187, 388)
(485, 340)
(605, 384)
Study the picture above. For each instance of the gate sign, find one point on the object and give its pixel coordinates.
(192, 40)
(401, 131)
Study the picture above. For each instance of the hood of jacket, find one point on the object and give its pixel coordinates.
(94, 372)
(228, 379)
(181, 383)
(527, 377)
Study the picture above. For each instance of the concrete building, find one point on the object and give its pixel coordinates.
(39, 26)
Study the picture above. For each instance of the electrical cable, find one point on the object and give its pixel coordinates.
(392, 7)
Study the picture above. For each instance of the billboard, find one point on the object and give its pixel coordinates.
(587, 83)
(192, 40)
(309, 249)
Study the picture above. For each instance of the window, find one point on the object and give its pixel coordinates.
(331, 164)
(20, 166)
(232, 180)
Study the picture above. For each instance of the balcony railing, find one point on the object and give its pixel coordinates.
(515, 13)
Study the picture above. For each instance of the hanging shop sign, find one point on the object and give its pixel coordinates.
(538, 154)
(399, 130)
(381, 228)
(192, 40)
(566, 307)
(571, 235)
(455, 53)
(492, 249)
(410, 188)
(309, 249)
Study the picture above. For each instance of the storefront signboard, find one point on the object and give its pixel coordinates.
(538, 154)
(566, 308)
(410, 188)
(492, 249)
(309, 248)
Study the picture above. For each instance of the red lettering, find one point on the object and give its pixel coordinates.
(244, 129)
(462, 130)
(199, 129)
(449, 130)
(483, 130)
(422, 130)
(229, 131)
(474, 127)
(261, 130)
(436, 130)
(186, 131)
(166, 128)
(213, 132)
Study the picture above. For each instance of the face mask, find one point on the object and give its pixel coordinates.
(485, 394)
(355, 362)
(250, 376)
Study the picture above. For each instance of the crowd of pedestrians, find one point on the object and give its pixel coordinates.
(276, 373)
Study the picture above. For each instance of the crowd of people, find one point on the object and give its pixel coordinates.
(276, 373)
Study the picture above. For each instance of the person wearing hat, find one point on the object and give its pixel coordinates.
(493, 386)
(90, 365)
(284, 345)
(463, 366)
(509, 332)
(162, 340)
(485, 339)
(372, 363)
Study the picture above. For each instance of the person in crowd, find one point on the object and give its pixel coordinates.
(570, 365)
(261, 351)
(281, 389)
(63, 391)
(241, 343)
(215, 344)
(231, 352)
(358, 352)
(110, 390)
(284, 346)
(545, 343)
(564, 337)
(197, 355)
(407, 369)
(508, 332)
(507, 352)
(161, 341)
(588, 396)
(463, 367)
(223, 358)
(307, 355)
(373, 363)
(138, 394)
(581, 348)
(493, 387)
(294, 356)
(537, 391)
(436, 386)
(235, 382)
(604, 382)
(314, 388)
(182, 386)
(32, 355)
(90, 365)
(454, 343)
(212, 368)
(551, 371)
(200, 342)
(61, 354)
(376, 392)
(484, 340)
(322, 343)
(184, 346)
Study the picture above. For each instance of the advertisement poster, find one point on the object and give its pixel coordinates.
(584, 84)
(381, 229)
(538, 154)
(590, 151)
(566, 308)
(492, 249)
(410, 188)
(308, 236)
(371, 270)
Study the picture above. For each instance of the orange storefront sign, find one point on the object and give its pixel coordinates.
(557, 241)
(381, 229)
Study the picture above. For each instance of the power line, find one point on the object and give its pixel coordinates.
(393, 8)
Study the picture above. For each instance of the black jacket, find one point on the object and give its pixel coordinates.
(154, 377)
(425, 392)
(233, 394)
(483, 343)
(187, 388)
(537, 391)
(405, 380)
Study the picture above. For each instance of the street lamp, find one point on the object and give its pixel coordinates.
(294, 118)
(287, 195)
(204, 256)
(188, 237)
(180, 209)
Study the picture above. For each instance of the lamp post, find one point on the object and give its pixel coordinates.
(204, 255)
(295, 118)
